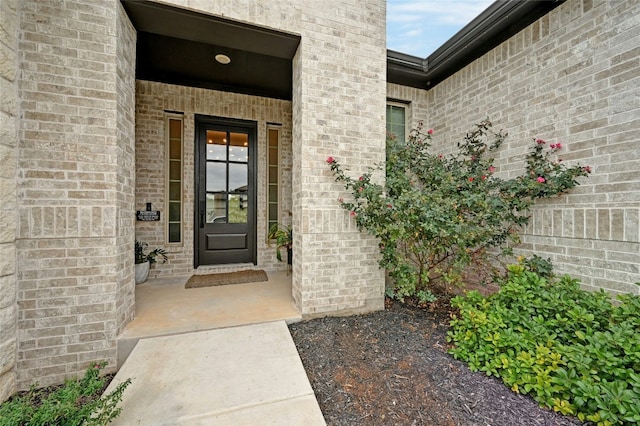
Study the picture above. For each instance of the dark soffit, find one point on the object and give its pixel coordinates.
(178, 46)
(500, 21)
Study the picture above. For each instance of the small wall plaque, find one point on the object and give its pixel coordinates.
(147, 215)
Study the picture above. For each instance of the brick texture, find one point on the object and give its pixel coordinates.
(75, 186)
(572, 77)
(152, 99)
(339, 75)
(125, 186)
(338, 109)
(8, 217)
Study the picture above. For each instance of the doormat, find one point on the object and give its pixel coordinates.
(226, 278)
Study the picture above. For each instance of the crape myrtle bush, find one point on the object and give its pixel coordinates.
(569, 349)
(435, 215)
(76, 403)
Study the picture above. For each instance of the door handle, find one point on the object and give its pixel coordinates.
(203, 210)
(201, 218)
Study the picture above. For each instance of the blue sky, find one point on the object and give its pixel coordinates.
(418, 27)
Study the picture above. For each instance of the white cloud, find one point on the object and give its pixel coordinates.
(418, 27)
(413, 33)
(455, 12)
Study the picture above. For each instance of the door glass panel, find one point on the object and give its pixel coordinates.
(238, 205)
(238, 177)
(216, 177)
(216, 145)
(216, 208)
(239, 147)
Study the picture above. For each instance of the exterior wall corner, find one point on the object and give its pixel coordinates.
(9, 119)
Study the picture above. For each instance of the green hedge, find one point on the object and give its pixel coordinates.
(571, 350)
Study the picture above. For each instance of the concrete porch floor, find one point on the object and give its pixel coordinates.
(164, 307)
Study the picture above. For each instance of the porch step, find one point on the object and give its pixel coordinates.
(165, 307)
(246, 375)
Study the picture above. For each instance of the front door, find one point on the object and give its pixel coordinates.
(225, 191)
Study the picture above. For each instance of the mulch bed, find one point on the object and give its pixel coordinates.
(392, 368)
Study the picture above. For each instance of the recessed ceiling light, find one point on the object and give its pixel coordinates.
(223, 59)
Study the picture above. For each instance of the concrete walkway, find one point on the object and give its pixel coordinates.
(245, 375)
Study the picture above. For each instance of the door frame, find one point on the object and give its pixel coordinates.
(252, 219)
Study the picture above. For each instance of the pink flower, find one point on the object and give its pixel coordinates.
(440, 156)
(558, 145)
(430, 131)
(552, 146)
(331, 160)
(541, 179)
(352, 214)
(389, 206)
(484, 177)
(492, 169)
(470, 179)
(361, 189)
(540, 141)
(360, 178)
(341, 200)
(587, 169)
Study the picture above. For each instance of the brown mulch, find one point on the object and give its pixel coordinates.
(392, 368)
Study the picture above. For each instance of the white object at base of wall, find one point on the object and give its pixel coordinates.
(142, 272)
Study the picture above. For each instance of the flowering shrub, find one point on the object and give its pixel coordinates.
(437, 214)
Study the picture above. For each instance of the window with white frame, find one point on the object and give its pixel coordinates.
(174, 183)
(397, 119)
(273, 174)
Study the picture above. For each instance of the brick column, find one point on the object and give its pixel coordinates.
(339, 99)
(75, 189)
(8, 139)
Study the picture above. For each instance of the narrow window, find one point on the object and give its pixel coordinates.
(396, 120)
(175, 181)
(273, 160)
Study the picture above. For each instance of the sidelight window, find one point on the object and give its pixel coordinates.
(273, 173)
(174, 184)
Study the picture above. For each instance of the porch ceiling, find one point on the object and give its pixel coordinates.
(178, 46)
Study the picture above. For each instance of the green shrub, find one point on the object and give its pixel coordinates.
(435, 215)
(75, 403)
(571, 350)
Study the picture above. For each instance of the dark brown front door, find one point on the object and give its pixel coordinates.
(225, 191)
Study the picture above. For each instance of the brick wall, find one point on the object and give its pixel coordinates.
(74, 193)
(152, 99)
(125, 154)
(342, 68)
(338, 109)
(572, 77)
(8, 143)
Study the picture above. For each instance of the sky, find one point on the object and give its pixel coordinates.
(419, 27)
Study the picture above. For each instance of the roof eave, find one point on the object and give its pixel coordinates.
(497, 23)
